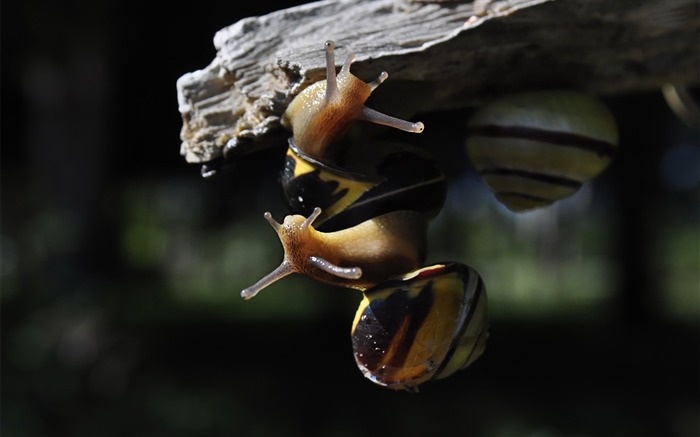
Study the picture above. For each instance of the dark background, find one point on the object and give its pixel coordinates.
(121, 266)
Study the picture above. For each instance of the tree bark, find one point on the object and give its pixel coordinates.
(440, 55)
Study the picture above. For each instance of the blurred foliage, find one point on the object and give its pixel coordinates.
(121, 267)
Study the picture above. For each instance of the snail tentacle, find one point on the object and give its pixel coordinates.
(341, 272)
(345, 69)
(275, 225)
(284, 269)
(378, 81)
(332, 91)
(376, 117)
(310, 219)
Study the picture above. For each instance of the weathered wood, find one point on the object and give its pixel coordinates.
(439, 55)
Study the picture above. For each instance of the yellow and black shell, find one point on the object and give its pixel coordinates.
(534, 148)
(393, 178)
(424, 325)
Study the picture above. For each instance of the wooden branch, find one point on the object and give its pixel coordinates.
(439, 54)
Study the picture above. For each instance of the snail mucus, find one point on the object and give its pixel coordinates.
(362, 224)
(535, 148)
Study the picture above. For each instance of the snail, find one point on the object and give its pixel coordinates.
(535, 148)
(354, 183)
(413, 324)
(359, 218)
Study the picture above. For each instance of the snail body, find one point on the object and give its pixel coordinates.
(534, 148)
(323, 112)
(358, 257)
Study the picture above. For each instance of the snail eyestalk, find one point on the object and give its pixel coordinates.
(331, 82)
(280, 272)
(314, 215)
(276, 226)
(345, 69)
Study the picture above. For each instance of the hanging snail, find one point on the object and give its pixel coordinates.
(534, 148)
(359, 220)
(351, 185)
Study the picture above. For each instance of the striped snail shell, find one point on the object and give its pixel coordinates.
(391, 177)
(424, 325)
(535, 148)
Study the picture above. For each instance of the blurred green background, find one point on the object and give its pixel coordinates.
(121, 267)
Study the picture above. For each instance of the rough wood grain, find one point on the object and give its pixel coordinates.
(439, 55)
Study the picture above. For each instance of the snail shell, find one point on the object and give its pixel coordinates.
(535, 148)
(425, 325)
(396, 177)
